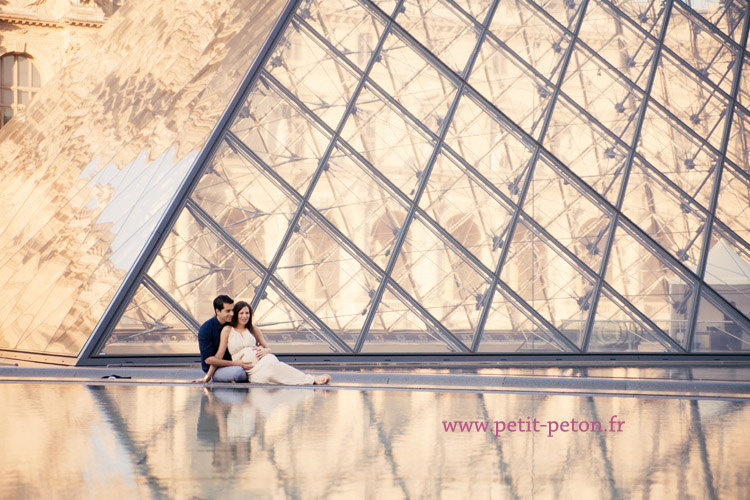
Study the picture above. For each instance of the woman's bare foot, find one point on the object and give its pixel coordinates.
(322, 379)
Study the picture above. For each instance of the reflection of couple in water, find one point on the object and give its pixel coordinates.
(249, 356)
(231, 416)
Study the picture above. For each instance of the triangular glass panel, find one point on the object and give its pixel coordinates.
(404, 73)
(617, 329)
(467, 208)
(726, 15)
(148, 327)
(560, 205)
(364, 211)
(607, 98)
(728, 269)
(721, 328)
(509, 329)
(444, 282)
(691, 99)
(590, 151)
(477, 10)
(511, 87)
(308, 69)
(388, 140)
(671, 218)
(566, 12)
(697, 43)
(625, 47)
(442, 29)
(194, 265)
(355, 35)
(647, 14)
(642, 276)
(387, 6)
(733, 208)
(552, 285)
(678, 154)
(321, 270)
(397, 329)
(743, 93)
(531, 34)
(497, 151)
(289, 327)
(276, 134)
(246, 201)
(737, 148)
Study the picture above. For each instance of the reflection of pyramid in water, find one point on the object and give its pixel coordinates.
(440, 176)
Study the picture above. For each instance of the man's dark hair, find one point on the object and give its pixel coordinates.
(221, 300)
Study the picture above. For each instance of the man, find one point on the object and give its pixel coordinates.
(209, 337)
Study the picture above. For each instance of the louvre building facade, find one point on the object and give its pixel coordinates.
(397, 177)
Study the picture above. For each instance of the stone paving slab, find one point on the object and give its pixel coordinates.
(405, 381)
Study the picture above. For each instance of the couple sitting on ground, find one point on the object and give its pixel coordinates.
(234, 350)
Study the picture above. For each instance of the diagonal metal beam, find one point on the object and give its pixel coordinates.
(125, 293)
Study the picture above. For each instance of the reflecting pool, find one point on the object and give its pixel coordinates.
(187, 441)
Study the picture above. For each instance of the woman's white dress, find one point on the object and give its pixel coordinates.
(267, 370)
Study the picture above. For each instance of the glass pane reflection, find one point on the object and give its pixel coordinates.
(592, 152)
(415, 83)
(511, 87)
(397, 329)
(148, 326)
(346, 25)
(728, 269)
(325, 277)
(669, 217)
(531, 35)
(675, 152)
(616, 329)
(312, 75)
(718, 330)
(558, 291)
(389, 141)
(288, 327)
(462, 205)
(508, 329)
(147, 439)
(617, 41)
(707, 52)
(281, 135)
(733, 208)
(441, 28)
(654, 288)
(357, 205)
(440, 278)
(555, 202)
(489, 145)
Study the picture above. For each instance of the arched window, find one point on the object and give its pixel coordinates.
(465, 283)
(19, 82)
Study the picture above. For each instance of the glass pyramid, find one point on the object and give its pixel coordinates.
(442, 177)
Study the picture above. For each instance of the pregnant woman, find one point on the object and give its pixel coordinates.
(246, 343)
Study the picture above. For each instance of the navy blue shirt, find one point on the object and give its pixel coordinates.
(209, 338)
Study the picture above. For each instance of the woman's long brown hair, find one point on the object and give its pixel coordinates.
(236, 315)
(236, 318)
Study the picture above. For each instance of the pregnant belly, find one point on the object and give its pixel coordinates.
(247, 355)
